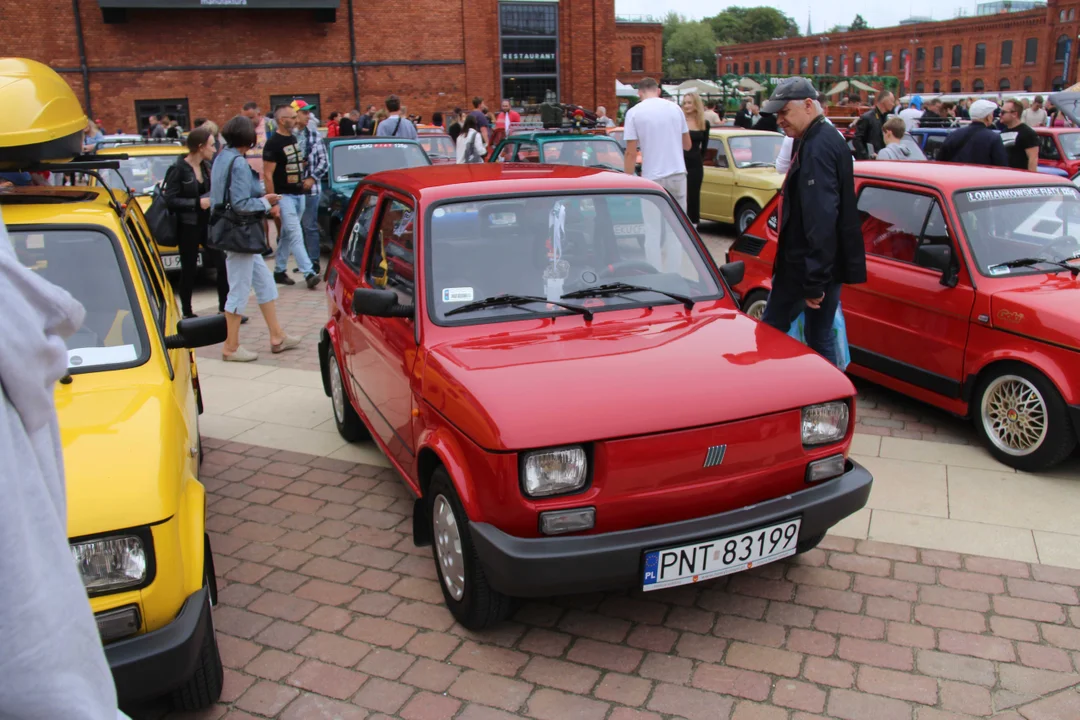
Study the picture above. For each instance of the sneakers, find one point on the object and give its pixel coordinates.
(312, 280)
(287, 343)
(242, 354)
(283, 279)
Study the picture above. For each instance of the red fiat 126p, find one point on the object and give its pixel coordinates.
(556, 367)
(972, 301)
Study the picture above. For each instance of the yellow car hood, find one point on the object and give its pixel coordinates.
(122, 471)
(761, 178)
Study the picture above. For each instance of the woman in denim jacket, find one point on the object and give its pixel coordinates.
(246, 270)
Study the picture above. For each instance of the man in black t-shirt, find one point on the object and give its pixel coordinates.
(285, 174)
(1021, 142)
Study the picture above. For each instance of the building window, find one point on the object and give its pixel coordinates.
(1027, 84)
(817, 64)
(888, 60)
(729, 68)
(1031, 51)
(746, 68)
(529, 39)
(757, 67)
(1072, 14)
(828, 64)
(1061, 16)
(1006, 53)
(858, 63)
(1058, 84)
(920, 59)
(956, 86)
(919, 87)
(802, 66)
(937, 86)
(939, 53)
(904, 59)
(1003, 84)
(177, 109)
(637, 59)
(843, 62)
(871, 60)
(1061, 48)
(791, 66)
(768, 67)
(980, 55)
(957, 55)
(977, 85)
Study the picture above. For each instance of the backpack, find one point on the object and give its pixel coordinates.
(471, 155)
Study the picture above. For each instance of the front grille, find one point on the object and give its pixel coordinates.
(749, 245)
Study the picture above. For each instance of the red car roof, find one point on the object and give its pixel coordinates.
(1055, 130)
(952, 176)
(450, 181)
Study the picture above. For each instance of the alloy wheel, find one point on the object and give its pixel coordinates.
(448, 547)
(1014, 415)
(337, 389)
(756, 309)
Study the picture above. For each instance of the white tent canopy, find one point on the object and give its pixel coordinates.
(838, 88)
(624, 90)
(751, 85)
(701, 87)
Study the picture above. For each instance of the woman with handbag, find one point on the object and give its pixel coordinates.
(187, 195)
(236, 227)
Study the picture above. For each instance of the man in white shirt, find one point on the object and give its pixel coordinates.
(912, 113)
(1034, 116)
(659, 126)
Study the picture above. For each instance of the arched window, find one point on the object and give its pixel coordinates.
(1061, 16)
(768, 67)
(637, 58)
(1003, 84)
(1027, 84)
(955, 87)
(1061, 48)
(937, 86)
(977, 85)
(1058, 84)
(858, 63)
(919, 87)
(1072, 14)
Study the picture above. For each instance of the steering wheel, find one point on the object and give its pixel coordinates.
(639, 266)
(1063, 247)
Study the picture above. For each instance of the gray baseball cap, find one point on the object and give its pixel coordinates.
(796, 88)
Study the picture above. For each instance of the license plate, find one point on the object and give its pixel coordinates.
(712, 558)
(172, 262)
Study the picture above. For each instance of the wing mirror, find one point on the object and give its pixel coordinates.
(379, 303)
(733, 272)
(938, 257)
(198, 332)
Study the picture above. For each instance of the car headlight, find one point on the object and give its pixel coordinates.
(825, 423)
(554, 472)
(110, 563)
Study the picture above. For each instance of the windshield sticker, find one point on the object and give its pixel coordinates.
(93, 356)
(1013, 193)
(998, 270)
(454, 295)
(35, 241)
(368, 146)
(633, 229)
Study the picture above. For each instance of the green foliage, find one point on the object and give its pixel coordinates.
(689, 42)
(755, 24)
(858, 24)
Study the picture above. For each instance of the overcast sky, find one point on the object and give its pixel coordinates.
(823, 14)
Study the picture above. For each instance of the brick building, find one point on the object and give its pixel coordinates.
(128, 59)
(639, 48)
(1017, 51)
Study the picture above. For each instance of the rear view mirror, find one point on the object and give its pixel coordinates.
(379, 303)
(733, 272)
(198, 332)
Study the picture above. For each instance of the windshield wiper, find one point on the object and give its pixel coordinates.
(617, 288)
(1028, 262)
(498, 300)
(758, 163)
(350, 176)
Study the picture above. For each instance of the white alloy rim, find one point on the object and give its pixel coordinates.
(1014, 415)
(448, 548)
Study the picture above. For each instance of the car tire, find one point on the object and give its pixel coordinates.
(754, 303)
(471, 599)
(745, 214)
(348, 422)
(807, 544)
(202, 689)
(1022, 419)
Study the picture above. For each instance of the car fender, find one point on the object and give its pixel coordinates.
(328, 336)
(987, 346)
(441, 439)
(192, 530)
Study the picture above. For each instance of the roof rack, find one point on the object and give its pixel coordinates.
(87, 165)
(118, 142)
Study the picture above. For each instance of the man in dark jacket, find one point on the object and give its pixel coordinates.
(933, 116)
(976, 144)
(869, 137)
(820, 243)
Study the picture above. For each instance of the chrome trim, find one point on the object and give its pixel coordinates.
(715, 455)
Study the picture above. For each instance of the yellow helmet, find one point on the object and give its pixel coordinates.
(43, 119)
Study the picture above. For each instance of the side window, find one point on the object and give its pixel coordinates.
(720, 158)
(528, 152)
(507, 153)
(146, 263)
(892, 222)
(353, 251)
(390, 263)
(933, 144)
(1048, 148)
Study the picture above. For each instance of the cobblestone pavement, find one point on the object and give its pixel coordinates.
(327, 610)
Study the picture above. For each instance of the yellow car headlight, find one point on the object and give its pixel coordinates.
(112, 563)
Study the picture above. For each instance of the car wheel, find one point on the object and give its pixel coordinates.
(348, 422)
(1022, 418)
(471, 599)
(754, 303)
(204, 687)
(745, 215)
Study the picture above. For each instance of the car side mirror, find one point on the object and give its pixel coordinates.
(938, 257)
(198, 332)
(733, 272)
(379, 303)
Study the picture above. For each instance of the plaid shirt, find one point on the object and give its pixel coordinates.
(315, 150)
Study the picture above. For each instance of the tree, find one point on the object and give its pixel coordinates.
(672, 22)
(859, 24)
(690, 42)
(756, 24)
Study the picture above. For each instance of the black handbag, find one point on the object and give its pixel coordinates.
(162, 222)
(233, 230)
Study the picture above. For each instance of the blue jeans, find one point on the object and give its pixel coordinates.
(291, 238)
(785, 303)
(247, 271)
(310, 222)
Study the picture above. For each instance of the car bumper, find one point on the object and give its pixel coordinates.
(158, 662)
(540, 567)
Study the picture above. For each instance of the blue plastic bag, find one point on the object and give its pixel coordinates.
(839, 327)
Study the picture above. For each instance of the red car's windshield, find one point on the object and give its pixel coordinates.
(352, 162)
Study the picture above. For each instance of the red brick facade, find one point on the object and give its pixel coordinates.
(649, 37)
(1033, 67)
(434, 55)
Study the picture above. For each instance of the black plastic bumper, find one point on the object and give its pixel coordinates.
(158, 662)
(541, 567)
